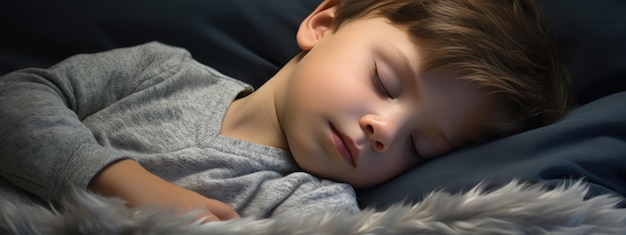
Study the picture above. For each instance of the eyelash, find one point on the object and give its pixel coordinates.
(378, 84)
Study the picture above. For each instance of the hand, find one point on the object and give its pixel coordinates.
(168, 195)
(130, 181)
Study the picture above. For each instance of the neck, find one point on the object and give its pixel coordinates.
(254, 117)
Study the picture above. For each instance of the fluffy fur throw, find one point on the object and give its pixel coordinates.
(515, 208)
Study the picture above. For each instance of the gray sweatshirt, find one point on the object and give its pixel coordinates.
(154, 104)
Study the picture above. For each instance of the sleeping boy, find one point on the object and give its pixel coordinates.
(379, 87)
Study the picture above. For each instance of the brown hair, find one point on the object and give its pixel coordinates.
(503, 46)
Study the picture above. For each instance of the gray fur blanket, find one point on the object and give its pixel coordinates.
(515, 208)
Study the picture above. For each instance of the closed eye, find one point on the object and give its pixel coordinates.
(378, 84)
(414, 149)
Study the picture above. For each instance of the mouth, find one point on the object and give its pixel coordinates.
(345, 146)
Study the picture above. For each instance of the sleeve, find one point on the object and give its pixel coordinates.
(318, 196)
(44, 147)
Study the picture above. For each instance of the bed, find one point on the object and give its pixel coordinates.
(565, 178)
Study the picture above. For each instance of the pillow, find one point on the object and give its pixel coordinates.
(245, 39)
(591, 35)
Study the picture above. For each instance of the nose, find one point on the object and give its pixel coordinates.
(380, 130)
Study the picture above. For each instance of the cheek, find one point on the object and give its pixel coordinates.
(384, 168)
(335, 69)
(330, 89)
(401, 162)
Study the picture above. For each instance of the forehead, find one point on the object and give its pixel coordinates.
(375, 26)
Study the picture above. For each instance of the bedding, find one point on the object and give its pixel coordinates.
(250, 39)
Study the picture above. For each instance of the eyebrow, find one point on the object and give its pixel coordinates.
(400, 61)
(406, 67)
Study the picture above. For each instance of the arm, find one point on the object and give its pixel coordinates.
(47, 150)
(129, 180)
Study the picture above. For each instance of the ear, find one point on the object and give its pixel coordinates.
(316, 25)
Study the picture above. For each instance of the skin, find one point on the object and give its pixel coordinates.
(328, 108)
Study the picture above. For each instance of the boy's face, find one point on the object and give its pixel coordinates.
(357, 108)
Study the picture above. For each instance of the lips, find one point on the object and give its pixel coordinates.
(345, 146)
